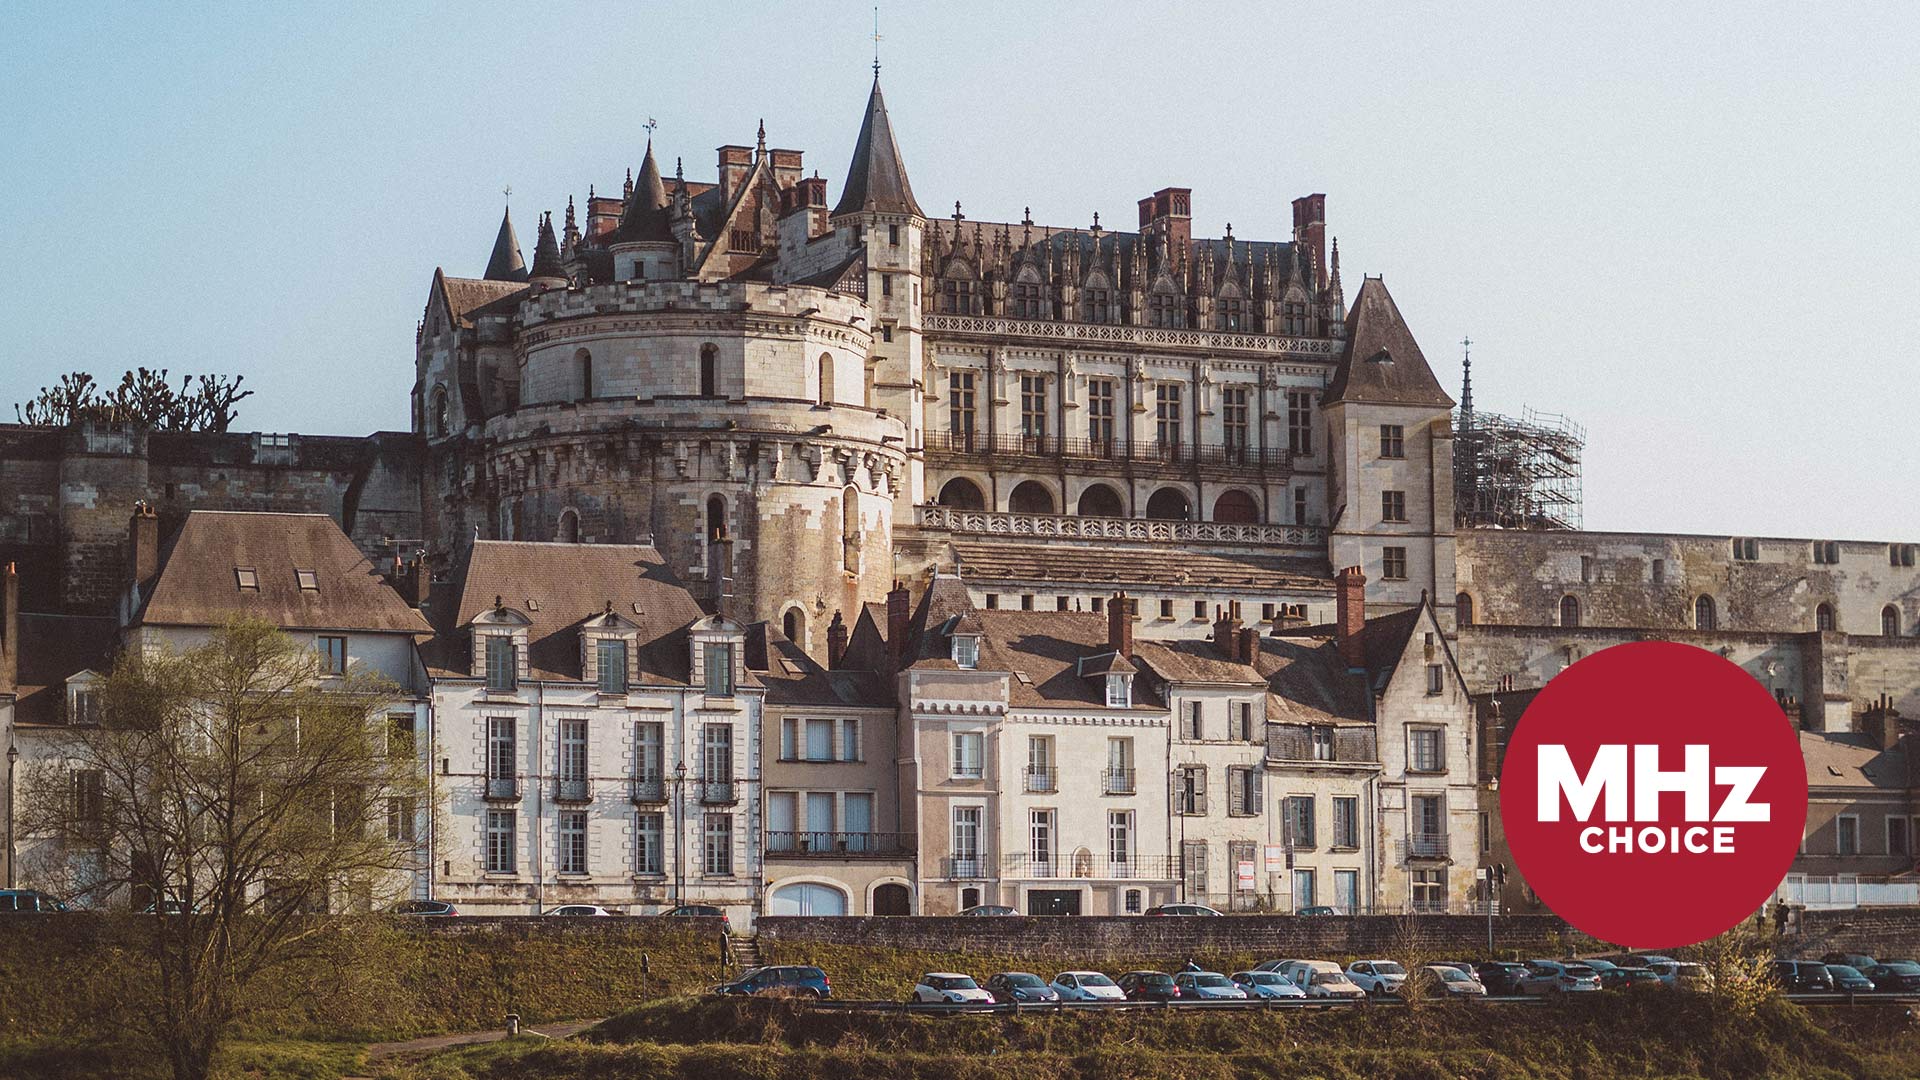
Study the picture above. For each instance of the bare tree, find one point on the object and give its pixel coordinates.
(243, 797)
(143, 397)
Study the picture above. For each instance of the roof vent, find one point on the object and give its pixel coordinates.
(245, 577)
(1381, 357)
(309, 580)
(533, 605)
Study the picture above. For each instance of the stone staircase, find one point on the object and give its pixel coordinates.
(746, 953)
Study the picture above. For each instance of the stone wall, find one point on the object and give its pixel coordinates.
(1888, 933)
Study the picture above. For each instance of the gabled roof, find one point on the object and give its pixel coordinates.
(505, 264)
(1187, 660)
(1852, 760)
(944, 608)
(1043, 650)
(876, 179)
(54, 648)
(794, 678)
(1381, 364)
(466, 298)
(1308, 682)
(199, 583)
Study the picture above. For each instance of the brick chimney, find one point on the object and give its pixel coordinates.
(143, 545)
(1249, 645)
(898, 613)
(1310, 229)
(1120, 624)
(1350, 615)
(735, 163)
(1226, 632)
(410, 580)
(836, 642)
(10, 630)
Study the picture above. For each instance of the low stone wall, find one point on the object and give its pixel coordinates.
(1887, 933)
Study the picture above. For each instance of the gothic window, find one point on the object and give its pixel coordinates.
(1096, 300)
(1705, 616)
(1463, 610)
(958, 290)
(440, 412)
(1029, 296)
(960, 410)
(794, 625)
(1300, 421)
(1295, 315)
(1229, 310)
(826, 379)
(1569, 611)
(850, 529)
(709, 371)
(584, 361)
(1889, 621)
(1823, 618)
(1163, 309)
(1100, 416)
(569, 531)
(716, 518)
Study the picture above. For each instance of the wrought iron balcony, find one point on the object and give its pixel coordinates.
(1117, 782)
(1042, 779)
(718, 792)
(835, 844)
(965, 866)
(1423, 845)
(502, 787)
(1087, 866)
(648, 789)
(572, 790)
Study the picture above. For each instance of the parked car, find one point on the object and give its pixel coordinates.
(1316, 909)
(990, 909)
(1612, 975)
(789, 981)
(434, 908)
(1301, 972)
(1639, 978)
(1148, 986)
(1683, 975)
(1444, 980)
(1857, 961)
(1333, 984)
(1848, 979)
(1555, 977)
(1086, 986)
(685, 911)
(1208, 986)
(1894, 976)
(1267, 984)
(579, 909)
(1181, 909)
(950, 988)
(1803, 976)
(1020, 986)
(1277, 965)
(29, 900)
(1377, 976)
(1501, 976)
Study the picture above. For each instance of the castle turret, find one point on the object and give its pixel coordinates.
(547, 271)
(876, 179)
(506, 263)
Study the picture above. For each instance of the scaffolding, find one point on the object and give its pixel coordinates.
(1520, 473)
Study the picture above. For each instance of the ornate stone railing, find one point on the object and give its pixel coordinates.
(1127, 529)
(1131, 335)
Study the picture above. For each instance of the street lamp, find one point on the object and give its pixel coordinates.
(679, 834)
(13, 758)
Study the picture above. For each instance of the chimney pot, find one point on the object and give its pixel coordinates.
(1249, 646)
(897, 616)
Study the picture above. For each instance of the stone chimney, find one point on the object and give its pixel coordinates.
(1226, 632)
(1350, 615)
(836, 642)
(1120, 624)
(1249, 645)
(898, 614)
(410, 581)
(10, 630)
(143, 545)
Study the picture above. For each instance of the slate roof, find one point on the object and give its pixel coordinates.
(1381, 364)
(557, 588)
(876, 178)
(53, 649)
(644, 220)
(1000, 560)
(1043, 650)
(505, 264)
(198, 583)
(470, 297)
(1852, 760)
(794, 678)
(1308, 682)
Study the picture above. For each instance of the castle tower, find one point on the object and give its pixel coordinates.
(506, 263)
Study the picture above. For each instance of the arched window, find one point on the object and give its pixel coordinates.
(962, 494)
(1031, 497)
(892, 899)
(826, 379)
(1169, 504)
(794, 625)
(441, 412)
(1096, 299)
(1823, 618)
(716, 518)
(850, 529)
(1163, 306)
(1705, 615)
(1462, 610)
(1229, 310)
(1100, 500)
(1236, 507)
(583, 360)
(1029, 295)
(709, 371)
(1569, 611)
(569, 530)
(1889, 621)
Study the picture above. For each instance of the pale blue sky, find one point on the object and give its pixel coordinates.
(1691, 227)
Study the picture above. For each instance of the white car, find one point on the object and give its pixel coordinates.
(1334, 984)
(1377, 977)
(950, 988)
(1267, 984)
(1086, 986)
(1301, 972)
(579, 909)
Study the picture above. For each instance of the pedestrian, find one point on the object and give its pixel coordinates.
(1780, 916)
(726, 952)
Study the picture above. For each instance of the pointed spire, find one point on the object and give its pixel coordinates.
(876, 178)
(761, 139)
(570, 239)
(506, 263)
(644, 218)
(1380, 362)
(1466, 383)
(546, 254)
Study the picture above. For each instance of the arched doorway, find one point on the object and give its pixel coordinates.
(1169, 504)
(794, 625)
(962, 494)
(807, 898)
(892, 899)
(1236, 508)
(1569, 611)
(1030, 497)
(569, 532)
(1101, 501)
(1705, 615)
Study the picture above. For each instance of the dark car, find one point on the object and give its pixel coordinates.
(1020, 986)
(697, 910)
(990, 909)
(1501, 977)
(1181, 909)
(1803, 976)
(1612, 975)
(779, 981)
(436, 908)
(1894, 976)
(1639, 978)
(1854, 960)
(1848, 980)
(28, 900)
(1148, 986)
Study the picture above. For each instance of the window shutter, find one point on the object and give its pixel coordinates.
(1235, 804)
(1200, 777)
(1259, 794)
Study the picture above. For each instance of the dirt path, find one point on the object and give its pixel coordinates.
(415, 1047)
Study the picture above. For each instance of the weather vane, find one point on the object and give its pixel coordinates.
(507, 191)
(876, 41)
(650, 125)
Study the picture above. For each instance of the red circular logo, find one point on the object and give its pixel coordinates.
(1653, 795)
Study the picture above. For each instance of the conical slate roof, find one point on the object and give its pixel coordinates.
(1381, 363)
(645, 216)
(506, 263)
(876, 180)
(546, 253)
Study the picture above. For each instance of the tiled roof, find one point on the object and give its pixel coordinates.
(1192, 661)
(794, 678)
(54, 648)
(1381, 363)
(467, 297)
(1043, 650)
(1308, 682)
(1132, 567)
(199, 581)
(1852, 759)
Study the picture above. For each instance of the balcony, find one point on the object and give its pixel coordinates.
(1422, 845)
(838, 844)
(1117, 782)
(1211, 341)
(965, 866)
(979, 445)
(1134, 530)
(573, 790)
(1088, 867)
(505, 788)
(718, 792)
(648, 789)
(1042, 780)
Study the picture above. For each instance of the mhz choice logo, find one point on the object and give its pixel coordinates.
(1653, 795)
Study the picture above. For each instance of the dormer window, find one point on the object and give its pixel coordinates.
(308, 580)
(719, 661)
(966, 651)
(83, 705)
(1119, 691)
(611, 656)
(246, 579)
(502, 664)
